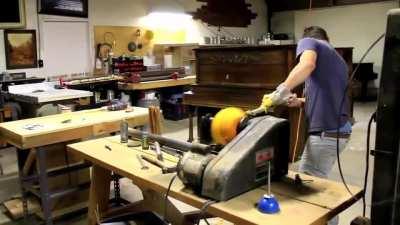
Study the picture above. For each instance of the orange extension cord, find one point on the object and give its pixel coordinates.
(297, 134)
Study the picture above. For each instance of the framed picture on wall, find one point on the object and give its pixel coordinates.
(12, 14)
(73, 8)
(20, 48)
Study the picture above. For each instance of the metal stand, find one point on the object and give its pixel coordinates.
(44, 186)
(1, 169)
(191, 135)
(21, 159)
(44, 193)
(269, 178)
(268, 203)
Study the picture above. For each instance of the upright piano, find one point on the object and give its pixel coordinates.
(239, 76)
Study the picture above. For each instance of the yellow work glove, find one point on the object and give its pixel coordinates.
(278, 97)
(267, 102)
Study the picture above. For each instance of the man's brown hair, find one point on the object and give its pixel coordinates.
(316, 32)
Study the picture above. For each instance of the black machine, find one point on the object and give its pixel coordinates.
(386, 184)
(240, 166)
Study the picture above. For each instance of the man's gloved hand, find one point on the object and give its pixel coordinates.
(278, 97)
(295, 102)
(267, 101)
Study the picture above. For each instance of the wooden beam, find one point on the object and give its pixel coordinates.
(99, 193)
(29, 162)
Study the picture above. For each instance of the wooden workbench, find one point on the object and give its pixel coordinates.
(49, 96)
(46, 142)
(32, 97)
(189, 80)
(83, 124)
(313, 203)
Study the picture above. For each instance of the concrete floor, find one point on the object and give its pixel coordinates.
(352, 161)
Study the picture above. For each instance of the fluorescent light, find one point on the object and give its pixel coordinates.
(167, 6)
(171, 21)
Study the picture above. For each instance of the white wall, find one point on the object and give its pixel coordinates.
(31, 23)
(355, 26)
(283, 22)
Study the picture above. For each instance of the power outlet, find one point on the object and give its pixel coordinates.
(40, 63)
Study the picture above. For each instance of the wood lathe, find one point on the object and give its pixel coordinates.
(221, 172)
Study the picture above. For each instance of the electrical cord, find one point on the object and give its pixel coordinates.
(340, 113)
(222, 30)
(203, 210)
(166, 196)
(396, 191)
(367, 156)
(296, 144)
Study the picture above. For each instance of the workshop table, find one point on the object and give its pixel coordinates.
(36, 134)
(315, 202)
(148, 85)
(30, 80)
(50, 96)
(31, 97)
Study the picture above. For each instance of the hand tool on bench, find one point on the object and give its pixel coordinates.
(165, 169)
(143, 166)
(158, 151)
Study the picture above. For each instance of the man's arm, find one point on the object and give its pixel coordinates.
(302, 70)
(297, 76)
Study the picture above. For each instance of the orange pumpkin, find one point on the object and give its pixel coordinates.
(225, 123)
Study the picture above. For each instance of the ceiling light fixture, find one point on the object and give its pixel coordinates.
(168, 14)
(166, 6)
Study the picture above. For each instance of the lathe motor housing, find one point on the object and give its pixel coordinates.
(242, 165)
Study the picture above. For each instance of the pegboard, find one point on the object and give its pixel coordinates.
(120, 37)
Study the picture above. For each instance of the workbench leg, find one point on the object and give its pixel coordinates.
(154, 201)
(24, 193)
(191, 113)
(44, 186)
(99, 193)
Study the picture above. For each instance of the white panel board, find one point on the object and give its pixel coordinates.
(65, 47)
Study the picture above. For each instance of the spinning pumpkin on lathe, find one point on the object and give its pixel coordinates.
(225, 123)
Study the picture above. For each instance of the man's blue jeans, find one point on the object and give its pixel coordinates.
(319, 157)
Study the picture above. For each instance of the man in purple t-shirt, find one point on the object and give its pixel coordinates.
(325, 75)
